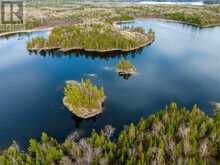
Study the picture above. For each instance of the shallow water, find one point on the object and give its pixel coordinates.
(182, 65)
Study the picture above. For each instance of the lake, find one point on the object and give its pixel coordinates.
(182, 65)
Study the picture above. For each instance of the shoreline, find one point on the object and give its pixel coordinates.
(114, 23)
(148, 41)
(182, 22)
(26, 31)
(85, 112)
(66, 50)
(122, 72)
(166, 20)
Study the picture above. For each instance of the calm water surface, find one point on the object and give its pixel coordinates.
(182, 65)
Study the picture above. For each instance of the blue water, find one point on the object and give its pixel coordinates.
(182, 65)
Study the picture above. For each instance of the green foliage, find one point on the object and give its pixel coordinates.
(138, 29)
(84, 95)
(217, 112)
(125, 65)
(122, 17)
(150, 31)
(34, 22)
(135, 29)
(37, 42)
(95, 36)
(172, 136)
(192, 19)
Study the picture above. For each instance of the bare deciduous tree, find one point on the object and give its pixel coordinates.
(108, 131)
(183, 131)
(203, 149)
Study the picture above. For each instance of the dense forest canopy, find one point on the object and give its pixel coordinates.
(172, 136)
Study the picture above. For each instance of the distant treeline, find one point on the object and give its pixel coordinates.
(60, 2)
(178, 16)
(212, 1)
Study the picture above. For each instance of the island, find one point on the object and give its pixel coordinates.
(124, 67)
(83, 99)
(100, 38)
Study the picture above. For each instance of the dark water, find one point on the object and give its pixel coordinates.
(182, 65)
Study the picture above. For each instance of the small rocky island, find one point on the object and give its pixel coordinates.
(83, 99)
(124, 67)
(100, 38)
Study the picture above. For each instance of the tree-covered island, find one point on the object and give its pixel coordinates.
(124, 67)
(83, 99)
(92, 38)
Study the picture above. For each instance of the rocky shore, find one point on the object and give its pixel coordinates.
(83, 112)
(125, 68)
(127, 72)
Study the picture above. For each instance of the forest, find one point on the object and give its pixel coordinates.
(92, 36)
(174, 135)
(180, 16)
